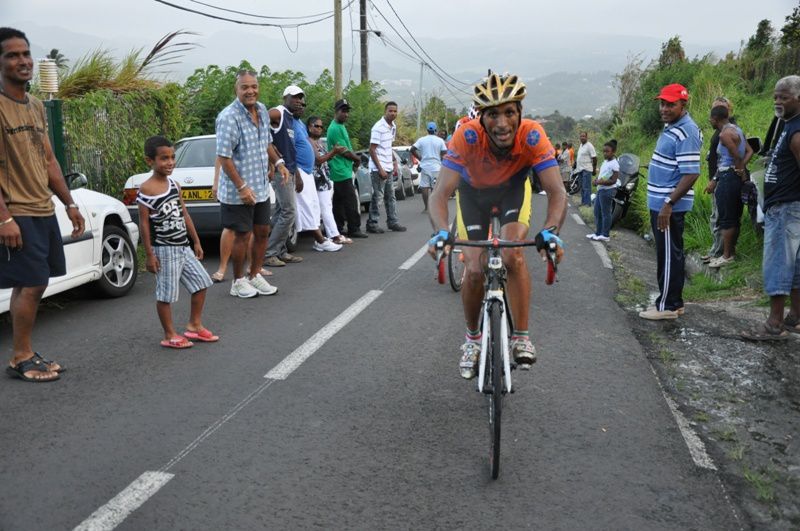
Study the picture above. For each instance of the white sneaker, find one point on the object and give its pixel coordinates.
(592, 236)
(469, 359)
(241, 288)
(327, 245)
(261, 286)
(602, 238)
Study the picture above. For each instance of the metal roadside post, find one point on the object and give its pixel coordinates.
(55, 130)
(48, 84)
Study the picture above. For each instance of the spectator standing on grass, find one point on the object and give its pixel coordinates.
(346, 207)
(781, 261)
(285, 215)
(245, 149)
(716, 235)
(587, 164)
(673, 170)
(565, 164)
(607, 183)
(733, 154)
(166, 230)
(429, 149)
(31, 250)
(382, 168)
(308, 206)
(322, 180)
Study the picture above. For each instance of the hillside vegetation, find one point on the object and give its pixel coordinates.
(747, 79)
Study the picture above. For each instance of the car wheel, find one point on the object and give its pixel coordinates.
(117, 262)
(400, 192)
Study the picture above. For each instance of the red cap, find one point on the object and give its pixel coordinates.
(672, 93)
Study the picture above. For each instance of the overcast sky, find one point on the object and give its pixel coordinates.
(698, 21)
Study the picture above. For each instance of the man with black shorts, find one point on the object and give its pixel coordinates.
(487, 165)
(31, 250)
(245, 149)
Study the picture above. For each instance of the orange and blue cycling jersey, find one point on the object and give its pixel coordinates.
(469, 154)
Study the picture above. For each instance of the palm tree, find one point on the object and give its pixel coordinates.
(58, 57)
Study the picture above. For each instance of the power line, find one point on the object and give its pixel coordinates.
(420, 46)
(420, 58)
(212, 6)
(246, 22)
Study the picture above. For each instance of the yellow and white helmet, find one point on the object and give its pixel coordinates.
(498, 89)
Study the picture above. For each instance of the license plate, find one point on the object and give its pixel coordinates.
(196, 194)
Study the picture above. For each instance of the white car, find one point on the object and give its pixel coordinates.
(106, 252)
(411, 162)
(194, 173)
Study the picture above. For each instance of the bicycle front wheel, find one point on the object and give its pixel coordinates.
(494, 369)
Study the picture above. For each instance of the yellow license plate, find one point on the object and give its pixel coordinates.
(196, 194)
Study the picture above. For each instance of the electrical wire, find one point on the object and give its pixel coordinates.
(420, 46)
(248, 23)
(212, 6)
(420, 58)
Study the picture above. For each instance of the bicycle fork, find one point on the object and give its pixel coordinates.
(495, 295)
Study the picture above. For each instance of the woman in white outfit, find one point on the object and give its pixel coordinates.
(322, 184)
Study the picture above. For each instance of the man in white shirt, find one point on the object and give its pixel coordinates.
(586, 162)
(429, 150)
(382, 166)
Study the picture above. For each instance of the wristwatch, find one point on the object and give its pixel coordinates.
(668, 201)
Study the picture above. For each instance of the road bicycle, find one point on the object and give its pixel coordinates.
(454, 267)
(495, 365)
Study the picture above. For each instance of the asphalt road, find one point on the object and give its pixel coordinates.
(375, 430)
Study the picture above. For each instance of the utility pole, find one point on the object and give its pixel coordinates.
(419, 111)
(364, 39)
(337, 47)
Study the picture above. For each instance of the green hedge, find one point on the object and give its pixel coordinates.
(105, 132)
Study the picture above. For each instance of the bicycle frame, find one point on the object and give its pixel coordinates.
(495, 287)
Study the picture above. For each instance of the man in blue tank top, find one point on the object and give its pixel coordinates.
(733, 154)
(782, 219)
(283, 220)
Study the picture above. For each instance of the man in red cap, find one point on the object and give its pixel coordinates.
(673, 170)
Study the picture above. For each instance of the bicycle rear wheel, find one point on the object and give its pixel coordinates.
(494, 395)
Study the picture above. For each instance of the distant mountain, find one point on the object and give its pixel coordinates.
(563, 73)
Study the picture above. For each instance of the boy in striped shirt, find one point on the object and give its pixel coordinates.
(673, 170)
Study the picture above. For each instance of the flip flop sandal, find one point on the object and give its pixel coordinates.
(177, 342)
(218, 277)
(50, 363)
(765, 332)
(792, 324)
(30, 364)
(203, 335)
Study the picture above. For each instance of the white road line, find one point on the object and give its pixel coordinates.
(408, 264)
(603, 253)
(312, 344)
(120, 506)
(696, 447)
(578, 219)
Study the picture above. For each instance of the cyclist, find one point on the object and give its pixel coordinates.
(487, 164)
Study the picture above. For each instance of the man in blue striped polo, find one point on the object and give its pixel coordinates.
(673, 170)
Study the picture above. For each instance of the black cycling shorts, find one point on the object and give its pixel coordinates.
(474, 206)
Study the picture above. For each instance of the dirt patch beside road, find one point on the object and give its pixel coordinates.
(741, 398)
